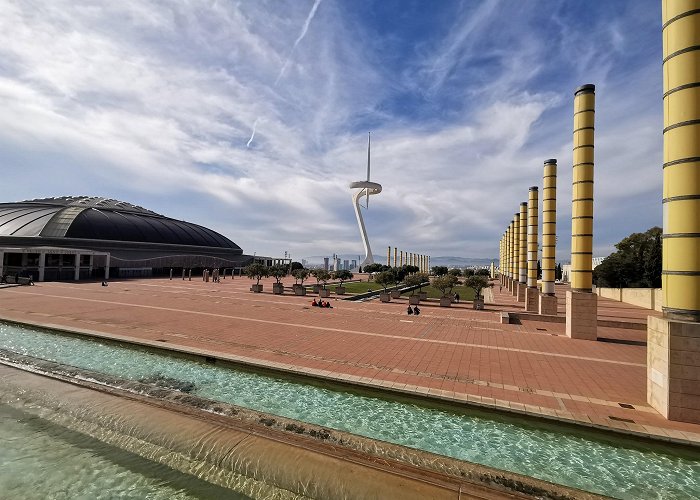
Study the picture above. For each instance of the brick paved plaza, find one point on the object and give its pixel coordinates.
(451, 353)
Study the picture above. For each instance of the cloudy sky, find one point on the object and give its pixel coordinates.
(251, 117)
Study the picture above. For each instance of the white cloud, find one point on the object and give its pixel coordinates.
(157, 102)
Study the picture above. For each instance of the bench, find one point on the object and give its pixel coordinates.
(505, 318)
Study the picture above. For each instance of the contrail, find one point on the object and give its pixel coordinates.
(301, 36)
(255, 125)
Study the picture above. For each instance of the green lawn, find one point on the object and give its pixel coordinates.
(433, 293)
(356, 287)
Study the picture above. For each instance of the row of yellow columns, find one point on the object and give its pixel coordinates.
(422, 262)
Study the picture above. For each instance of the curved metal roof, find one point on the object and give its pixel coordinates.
(93, 218)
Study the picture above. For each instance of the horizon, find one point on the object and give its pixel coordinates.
(252, 119)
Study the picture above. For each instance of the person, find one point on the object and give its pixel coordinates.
(328, 305)
(500, 288)
(456, 298)
(314, 303)
(416, 311)
(104, 283)
(409, 310)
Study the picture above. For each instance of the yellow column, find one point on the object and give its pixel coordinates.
(582, 199)
(388, 257)
(673, 342)
(509, 230)
(401, 258)
(522, 244)
(516, 247)
(681, 168)
(532, 240)
(548, 301)
(581, 304)
(510, 249)
(549, 225)
(395, 255)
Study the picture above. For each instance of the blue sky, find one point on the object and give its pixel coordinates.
(155, 103)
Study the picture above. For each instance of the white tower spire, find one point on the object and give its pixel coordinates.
(365, 188)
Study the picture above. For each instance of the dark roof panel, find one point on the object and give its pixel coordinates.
(94, 218)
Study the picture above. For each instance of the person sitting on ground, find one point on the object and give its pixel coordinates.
(328, 305)
(416, 311)
(314, 303)
(409, 310)
(104, 283)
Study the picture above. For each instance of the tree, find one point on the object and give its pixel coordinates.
(469, 272)
(539, 270)
(414, 280)
(412, 269)
(482, 272)
(384, 278)
(455, 272)
(257, 272)
(477, 283)
(296, 265)
(278, 271)
(439, 270)
(322, 276)
(399, 274)
(373, 268)
(360, 269)
(558, 273)
(342, 275)
(445, 284)
(636, 264)
(300, 275)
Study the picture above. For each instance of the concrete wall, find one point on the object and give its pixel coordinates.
(649, 298)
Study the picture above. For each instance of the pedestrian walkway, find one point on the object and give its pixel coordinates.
(457, 354)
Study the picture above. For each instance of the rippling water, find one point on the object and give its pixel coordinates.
(620, 469)
(40, 460)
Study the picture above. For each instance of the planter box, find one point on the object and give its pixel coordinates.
(299, 290)
(256, 288)
(445, 301)
(340, 290)
(395, 294)
(316, 288)
(324, 293)
(423, 295)
(385, 297)
(278, 288)
(478, 304)
(414, 300)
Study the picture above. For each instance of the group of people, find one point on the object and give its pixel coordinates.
(413, 310)
(206, 275)
(322, 303)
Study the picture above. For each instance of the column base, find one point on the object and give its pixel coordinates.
(581, 315)
(520, 292)
(548, 305)
(532, 294)
(673, 368)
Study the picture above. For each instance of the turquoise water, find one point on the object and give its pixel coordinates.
(40, 460)
(561, 456)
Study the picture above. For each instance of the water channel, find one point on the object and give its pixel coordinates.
(618, 467)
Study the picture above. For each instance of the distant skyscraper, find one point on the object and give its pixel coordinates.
(325, 263)
(354, 264)
(346, 264)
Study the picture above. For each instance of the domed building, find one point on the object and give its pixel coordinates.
(78, 237)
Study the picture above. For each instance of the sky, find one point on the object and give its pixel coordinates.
(251, 117)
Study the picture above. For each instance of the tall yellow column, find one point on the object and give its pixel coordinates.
(395, 255)
(581, 304)
(511, 230)
(531, 293)
(516, 253)
(548, 301)
(673, 342)
(522, 253)
(509, 249)
(401, 258)
(388, 257)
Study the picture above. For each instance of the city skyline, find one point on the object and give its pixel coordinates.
(251, 119)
